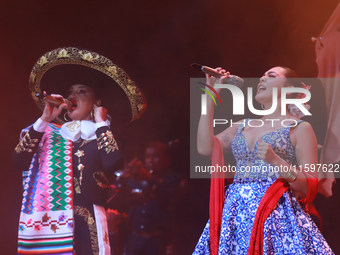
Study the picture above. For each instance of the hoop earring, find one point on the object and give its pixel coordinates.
(262, 106)
(65, 117)
(92, 114)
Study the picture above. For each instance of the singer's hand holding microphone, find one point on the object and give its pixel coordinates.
(213, 79)
(219, 76)
(51, 111)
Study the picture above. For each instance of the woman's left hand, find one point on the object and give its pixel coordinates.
(266, 153)
(100, 113)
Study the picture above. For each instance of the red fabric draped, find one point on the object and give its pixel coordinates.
(266, 206)
(312, 188)
(217, 184)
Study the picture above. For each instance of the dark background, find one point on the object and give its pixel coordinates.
(154, 42)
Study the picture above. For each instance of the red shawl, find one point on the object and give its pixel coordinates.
(266, 206)
(216, 197)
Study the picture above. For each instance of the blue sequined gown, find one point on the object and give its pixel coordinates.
(288, 229)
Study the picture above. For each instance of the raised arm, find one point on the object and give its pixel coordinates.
(30, 137)
(205, 133)
(111, 156)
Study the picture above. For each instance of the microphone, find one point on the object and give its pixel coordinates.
(55, 100)
(232, 79)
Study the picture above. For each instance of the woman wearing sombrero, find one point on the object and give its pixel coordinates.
(66, 164)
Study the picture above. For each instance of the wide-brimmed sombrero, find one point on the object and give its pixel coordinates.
(56, 71)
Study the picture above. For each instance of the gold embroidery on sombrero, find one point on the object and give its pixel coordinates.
(63, 54)
(72, 55)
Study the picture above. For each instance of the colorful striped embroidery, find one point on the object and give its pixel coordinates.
(46, 220)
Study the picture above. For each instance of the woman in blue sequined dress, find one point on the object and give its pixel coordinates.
(288, 229)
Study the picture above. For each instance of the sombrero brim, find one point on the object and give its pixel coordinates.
(59, 69)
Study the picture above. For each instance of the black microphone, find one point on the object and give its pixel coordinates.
(232, 79)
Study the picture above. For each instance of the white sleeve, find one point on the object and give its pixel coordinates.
(101, 124)
(40, 125)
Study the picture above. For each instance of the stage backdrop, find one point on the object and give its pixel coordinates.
(328, 60)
